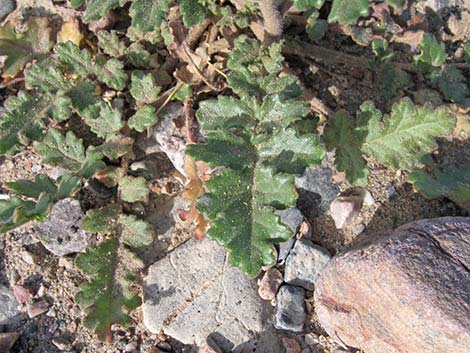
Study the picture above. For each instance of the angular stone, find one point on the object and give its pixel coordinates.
(291, 217)
(304, 264)
(290, 309)
(192, 293)
(404, 293)
(345, 209)
(7, 340)
(269, 284)
(6, 7)
(37, 308)
(316, 191)
(9, 313)
(61, 233)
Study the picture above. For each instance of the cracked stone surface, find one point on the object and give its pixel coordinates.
(403, 293)
(193, 294)
(290, 308)
(9, 313)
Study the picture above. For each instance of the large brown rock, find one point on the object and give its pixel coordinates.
(406, 293)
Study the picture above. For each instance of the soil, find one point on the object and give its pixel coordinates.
(24, 261)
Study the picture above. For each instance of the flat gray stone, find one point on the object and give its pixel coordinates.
(61, 233)
(291, 217)
(9, 314)
(290, 309)
(193, 293)
(304, 264)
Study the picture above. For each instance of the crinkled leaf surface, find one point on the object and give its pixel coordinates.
(110, 43)
(192, 11)
(147, 15)
(68, 152)
(452, 84)
(258, 161)
(107, 298)
(401, 139)
(135, 232)
(453, 183)
(432, 53)
(348, 11)
(102, 220)
(143, 87)
(303, 5)
(133, 189)
(96, 9)
(341, 135)
(143, 118)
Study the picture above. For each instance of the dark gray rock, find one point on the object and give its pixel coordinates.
(291, 217)
(6, 7)
(316, 191)
(290, 309)
(304, 264)
(414, 281)
(61, 233)
(191, 294)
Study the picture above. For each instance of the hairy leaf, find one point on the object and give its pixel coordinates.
(147, 15)
(110, 44)
(258, 160)
(452, 84)
(348, 11)
(135, 232)
(112, 73)
(303, 5)
(133, 189)
(107, 124)
(192, 11)
(69, 153)
(143, 118)
(454, 184)
(402, 139)
(143, 88)
(102, 220)
(137, 55)
(107, 298)
(347, 141)
(432, 53)
(96, 9)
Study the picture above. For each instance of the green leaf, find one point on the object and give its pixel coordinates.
(85, 100)
(97, 9)
(112, 73)
(107, 298)
(102, 220)
(303, 5)
(28, 188)
(45, 77)
(110, 43)
(68, 185)
(107, 124)
(183, 92)
(75, 60)
(432, 53)
(453, 184)
(69, 153)
(192, 11)
(392, 80)
(452, 84)
(135, 232)
(143, 119)
(147, 15)
(381, 50)
(402, 139)
(315, 28)
(133, 189)
(258, 154)
(15, 212)
(76, 3)
(341, 135)
(348, 11)
(137, 55)
(143, 87)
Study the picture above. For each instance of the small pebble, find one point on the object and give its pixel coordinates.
(36, 168)
(37, 308)
(7, 340)
(345, 209)
(164, 346)
(291, 345)
(368, 198)
(391, 193)
(22, 294)
(27, 257)
(269, 284)
(62, 344)
(131, 347)
(311, 340)
(358, 229)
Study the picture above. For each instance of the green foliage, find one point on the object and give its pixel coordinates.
(143, 87)
(147, 15)
(399, 140)
(96, 9)
(303, 5)
(192, 11)
(143, 119)
(348, 11)
(102, 220)
(35, 198)
(110, 43)
(260, 154)
(432, 53)
(69, 153)
(133, 189)
(454, 184)
(453, 84)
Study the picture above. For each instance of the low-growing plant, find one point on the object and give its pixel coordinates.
(256, 129)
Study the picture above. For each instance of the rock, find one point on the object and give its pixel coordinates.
(191, 294)
(169, 137)
(6, 7)
(391, 193)
(131, 347)
(36, 168)
(37, 308)
(7, 340)
(291, 217)
(368, 198)
(345, 209)
(22, 294)
(290, 309)
(439, 5)
(269, 284)
(61, 233)
(9, 313)
(404, 293)
(291, 345)
(304, 264)
(358, 229)
(62, 344)
(57, 172)
(316, 191)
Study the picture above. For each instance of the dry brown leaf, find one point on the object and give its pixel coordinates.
(70, 31)
(462, 125)
(460, 27)
(412, 38)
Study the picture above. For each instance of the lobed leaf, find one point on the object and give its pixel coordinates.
(133, 189)
(143, 87)
(148, 15)
(143, 119)
(348, 11)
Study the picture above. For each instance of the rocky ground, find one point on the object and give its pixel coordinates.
(189, 289)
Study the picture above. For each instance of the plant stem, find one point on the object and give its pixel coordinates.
(272, 21)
